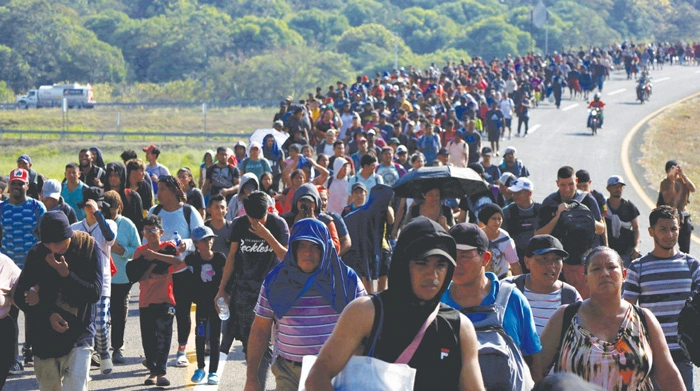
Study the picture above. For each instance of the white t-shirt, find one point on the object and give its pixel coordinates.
(459, 153)
(104, 251)
(507, 106)
(503, 253)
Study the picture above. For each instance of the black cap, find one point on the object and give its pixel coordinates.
(423, 237)
(477, 167)
(670, 164)
(54, 227)
(583, 176)
(544, 244)
(443, 151)
(96, 194)
(470, 237)
(486, 151)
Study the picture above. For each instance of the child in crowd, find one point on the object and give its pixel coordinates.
(104, 232)
(358, 197)
(504, 259)
(207, 268)
(152, 268)
(219, 224)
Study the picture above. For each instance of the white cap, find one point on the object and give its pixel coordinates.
(520, 184)
(51, 189)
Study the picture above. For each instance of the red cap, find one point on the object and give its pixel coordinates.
(19, 174)
(150, 148)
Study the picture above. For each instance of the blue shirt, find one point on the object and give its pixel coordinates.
(518, 321)
(73, 198)
(19, 228)
(430, 146)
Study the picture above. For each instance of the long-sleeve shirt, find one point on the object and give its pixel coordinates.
(72, 297)
(128, 238)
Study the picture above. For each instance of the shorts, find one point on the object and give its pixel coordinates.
(508, 122)
(384, 263)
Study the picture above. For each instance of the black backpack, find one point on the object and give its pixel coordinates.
(577, 226)
(688, 330)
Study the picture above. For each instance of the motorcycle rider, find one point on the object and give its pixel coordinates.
(644, 83)
(596, 104)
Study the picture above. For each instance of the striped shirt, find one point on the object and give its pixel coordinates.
(662, 286)
(543, 306)
(19, 224)
(306, 326)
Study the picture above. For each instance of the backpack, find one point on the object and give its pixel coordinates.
(577, 226)
(688, 331)
(186, 210)
(568, 292)
(502, 364)
(521, 230)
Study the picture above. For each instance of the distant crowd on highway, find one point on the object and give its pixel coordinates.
(339, 232)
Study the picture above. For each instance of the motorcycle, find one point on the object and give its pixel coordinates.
(594, 119)
(643, 91)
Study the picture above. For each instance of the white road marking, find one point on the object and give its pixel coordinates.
(611, 93)
(662, 79)
(567, 108)
(533, 128)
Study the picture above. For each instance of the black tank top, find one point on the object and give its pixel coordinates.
(438, 359)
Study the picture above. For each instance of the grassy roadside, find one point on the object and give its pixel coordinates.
(673, 135)
(142, 120)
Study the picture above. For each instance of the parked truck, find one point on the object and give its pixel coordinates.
(77, 96)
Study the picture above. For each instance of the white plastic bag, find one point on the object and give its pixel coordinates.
(367, 374)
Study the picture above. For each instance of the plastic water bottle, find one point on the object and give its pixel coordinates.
(177, 239)
(223, 309)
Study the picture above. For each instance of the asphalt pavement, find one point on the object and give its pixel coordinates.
(557, 137)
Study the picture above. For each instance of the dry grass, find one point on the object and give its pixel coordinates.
(674, 135)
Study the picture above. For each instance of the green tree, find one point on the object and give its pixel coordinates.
(55, 46)
(369, 43)
(281, 72)
(425, 31)
(106, 24)
(14, 71)
(359, 12)
(252, 35)
(464, 12)
(241, 8)
(194, 36)
(493, 37)
(317, 26)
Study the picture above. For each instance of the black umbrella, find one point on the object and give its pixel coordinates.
(453, 182)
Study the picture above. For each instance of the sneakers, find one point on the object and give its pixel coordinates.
(198, 376)
(28, 357)
(213, 379)
(17, 368)
(106, 366)
(95, 360)
(162, 381)
(181, 360)
(118, 357)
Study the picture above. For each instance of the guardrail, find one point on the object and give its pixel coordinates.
(239, 103)
(102, 135)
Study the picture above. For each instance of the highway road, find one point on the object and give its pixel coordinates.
(558, 137)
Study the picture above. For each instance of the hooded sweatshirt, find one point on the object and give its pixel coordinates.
(438, 357)
(133, 205)
(338, 188)
(308, 189)
(235, 206)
